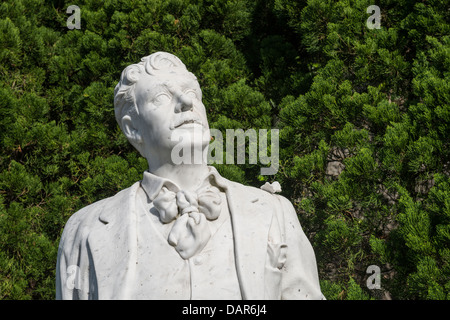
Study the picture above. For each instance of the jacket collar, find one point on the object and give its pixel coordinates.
(153, 184)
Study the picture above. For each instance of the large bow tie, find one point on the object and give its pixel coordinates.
(191, 212)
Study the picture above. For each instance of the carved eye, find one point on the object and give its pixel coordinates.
(161, 99)
(191, 93)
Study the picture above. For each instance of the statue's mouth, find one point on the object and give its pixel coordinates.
(187, 122)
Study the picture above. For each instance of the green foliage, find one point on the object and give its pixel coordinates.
(363, 117)
(379, 103)
(349, 290)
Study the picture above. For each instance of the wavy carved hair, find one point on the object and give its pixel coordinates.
(156, 64)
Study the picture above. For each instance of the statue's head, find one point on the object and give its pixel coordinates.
(154, 98)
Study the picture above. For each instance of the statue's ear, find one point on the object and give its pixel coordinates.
(130, 130)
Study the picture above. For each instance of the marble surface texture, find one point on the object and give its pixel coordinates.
(183, 231)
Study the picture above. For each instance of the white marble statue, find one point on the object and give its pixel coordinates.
(183, 231)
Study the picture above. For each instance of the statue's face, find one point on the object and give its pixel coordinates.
(167, 104)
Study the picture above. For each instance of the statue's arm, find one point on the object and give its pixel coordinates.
(72, 261)
(300, 278)
(65, 271)
(61, 275)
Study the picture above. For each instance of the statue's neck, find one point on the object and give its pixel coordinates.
(186, 176)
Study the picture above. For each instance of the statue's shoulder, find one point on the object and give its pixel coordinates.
(87, 217)
(268, 191)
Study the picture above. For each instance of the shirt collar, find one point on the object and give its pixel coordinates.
(153, 184)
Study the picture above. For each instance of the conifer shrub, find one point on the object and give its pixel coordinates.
(363, 116)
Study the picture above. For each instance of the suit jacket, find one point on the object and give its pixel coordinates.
(274, 260)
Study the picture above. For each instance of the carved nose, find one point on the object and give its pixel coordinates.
(185, 103)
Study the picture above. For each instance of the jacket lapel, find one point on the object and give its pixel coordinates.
(118, 236)
(251, 220)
